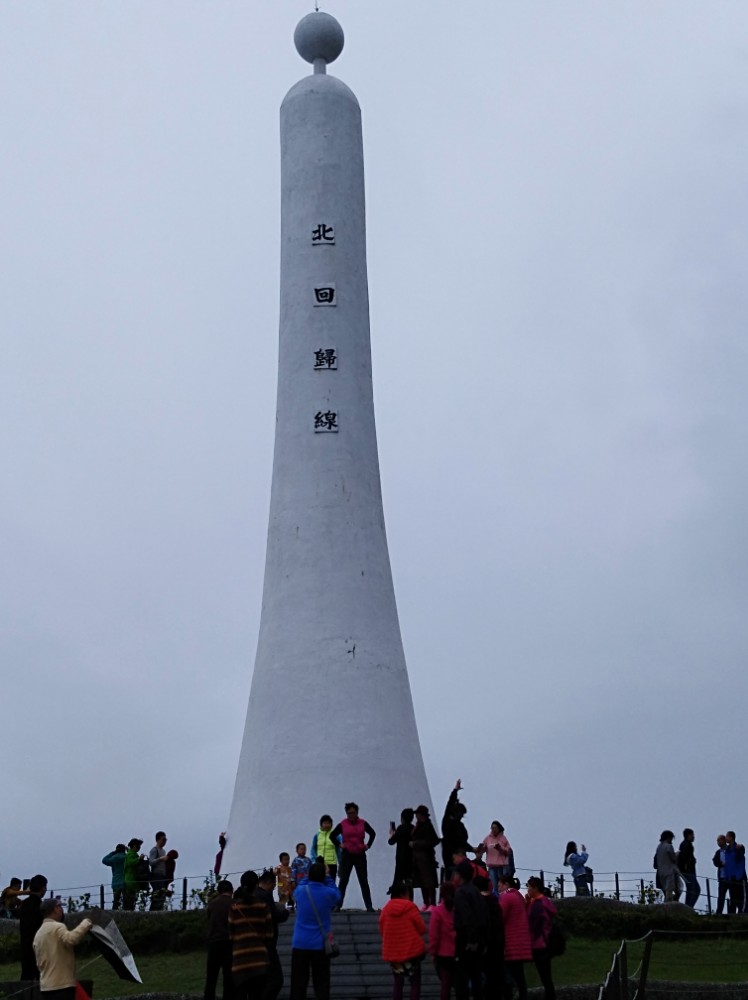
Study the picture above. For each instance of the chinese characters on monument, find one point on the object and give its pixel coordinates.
(325, 423)
(323, 236)
(326, 359)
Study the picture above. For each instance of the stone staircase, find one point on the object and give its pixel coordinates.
(359, 972)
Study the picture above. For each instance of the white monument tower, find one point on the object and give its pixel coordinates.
(330, 715)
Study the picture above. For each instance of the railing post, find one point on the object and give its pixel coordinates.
(618, 888)
(642, 898)
(542, 876)
(642, 989)
(184, 893)
(624, 972)
(561, 884)
(101, 896)
(708, 898)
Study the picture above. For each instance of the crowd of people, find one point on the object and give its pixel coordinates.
(480, 935)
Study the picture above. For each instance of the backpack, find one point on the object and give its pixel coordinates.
(556, 942)
(143, 871)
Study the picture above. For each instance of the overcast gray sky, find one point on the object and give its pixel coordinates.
(558, 249)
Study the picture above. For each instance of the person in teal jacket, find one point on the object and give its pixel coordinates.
(116, 861)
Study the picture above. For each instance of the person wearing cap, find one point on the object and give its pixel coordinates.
(116, 861)
(54, 947)
(130, 873)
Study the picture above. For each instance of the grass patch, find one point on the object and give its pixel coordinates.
(585, 962)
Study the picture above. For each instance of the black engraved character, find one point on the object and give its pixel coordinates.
(323, 234)
(325, 421)
(325, 296)
(325, 358)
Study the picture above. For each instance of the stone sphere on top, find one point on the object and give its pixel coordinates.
(319, 36)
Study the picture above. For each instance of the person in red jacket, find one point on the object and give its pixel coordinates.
(517, 945)
(402, 929)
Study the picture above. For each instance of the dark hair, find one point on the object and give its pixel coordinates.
(120, 847)
(459, 810)
(325, 817)
(160, 834)
(407, 815)
(351, 805)
(14, 882)
(447, 895)
(688, 832)
(37, 882)
(317, 872)
(423, 811)
(249, 880)
(495, 822)
(224, 886)
(134, 841)
(465, 871)
(668, 836)
(267, 876)
(731, 833)
(507, 880)
(398, 890)
(283, 854)
(300, 844)
(481, 882)
(571, 848)
(535, 883)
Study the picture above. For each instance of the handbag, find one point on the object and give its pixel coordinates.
(331, 946)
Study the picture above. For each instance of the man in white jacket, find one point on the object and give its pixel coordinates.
(54, 947)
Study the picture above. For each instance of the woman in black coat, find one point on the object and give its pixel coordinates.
(423, 842)
(400, 839)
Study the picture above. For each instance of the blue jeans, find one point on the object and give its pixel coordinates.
(495, 872)
(693, 890)
(583, 886)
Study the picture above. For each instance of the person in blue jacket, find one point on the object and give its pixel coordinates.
(734, 872)
(116, 861)
(315, 897)
(577, 861)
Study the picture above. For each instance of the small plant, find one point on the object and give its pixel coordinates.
(647, 895)
(76, 903)
(199, 897)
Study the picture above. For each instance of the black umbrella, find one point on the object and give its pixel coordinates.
(112, 946)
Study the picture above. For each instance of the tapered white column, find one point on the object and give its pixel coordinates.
(330, 714)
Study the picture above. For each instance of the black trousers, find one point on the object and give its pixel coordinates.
(514, 972)
(737, 896)
(219, 960)
(274, 979)
(469, 975)
(304, 961)
(347, 863)
(542, 962)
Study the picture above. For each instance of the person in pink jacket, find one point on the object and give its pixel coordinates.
(402, 928)
(517, 944)
(540, 914)
(498, 852)
(442, 939)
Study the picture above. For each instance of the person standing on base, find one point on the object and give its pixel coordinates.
(324, 848)
(29, 921)
(54, 947)
(219, 943)
(315, 901)
(354, 832)
(687, 866)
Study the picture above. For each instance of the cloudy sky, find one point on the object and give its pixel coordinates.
(558, 248)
